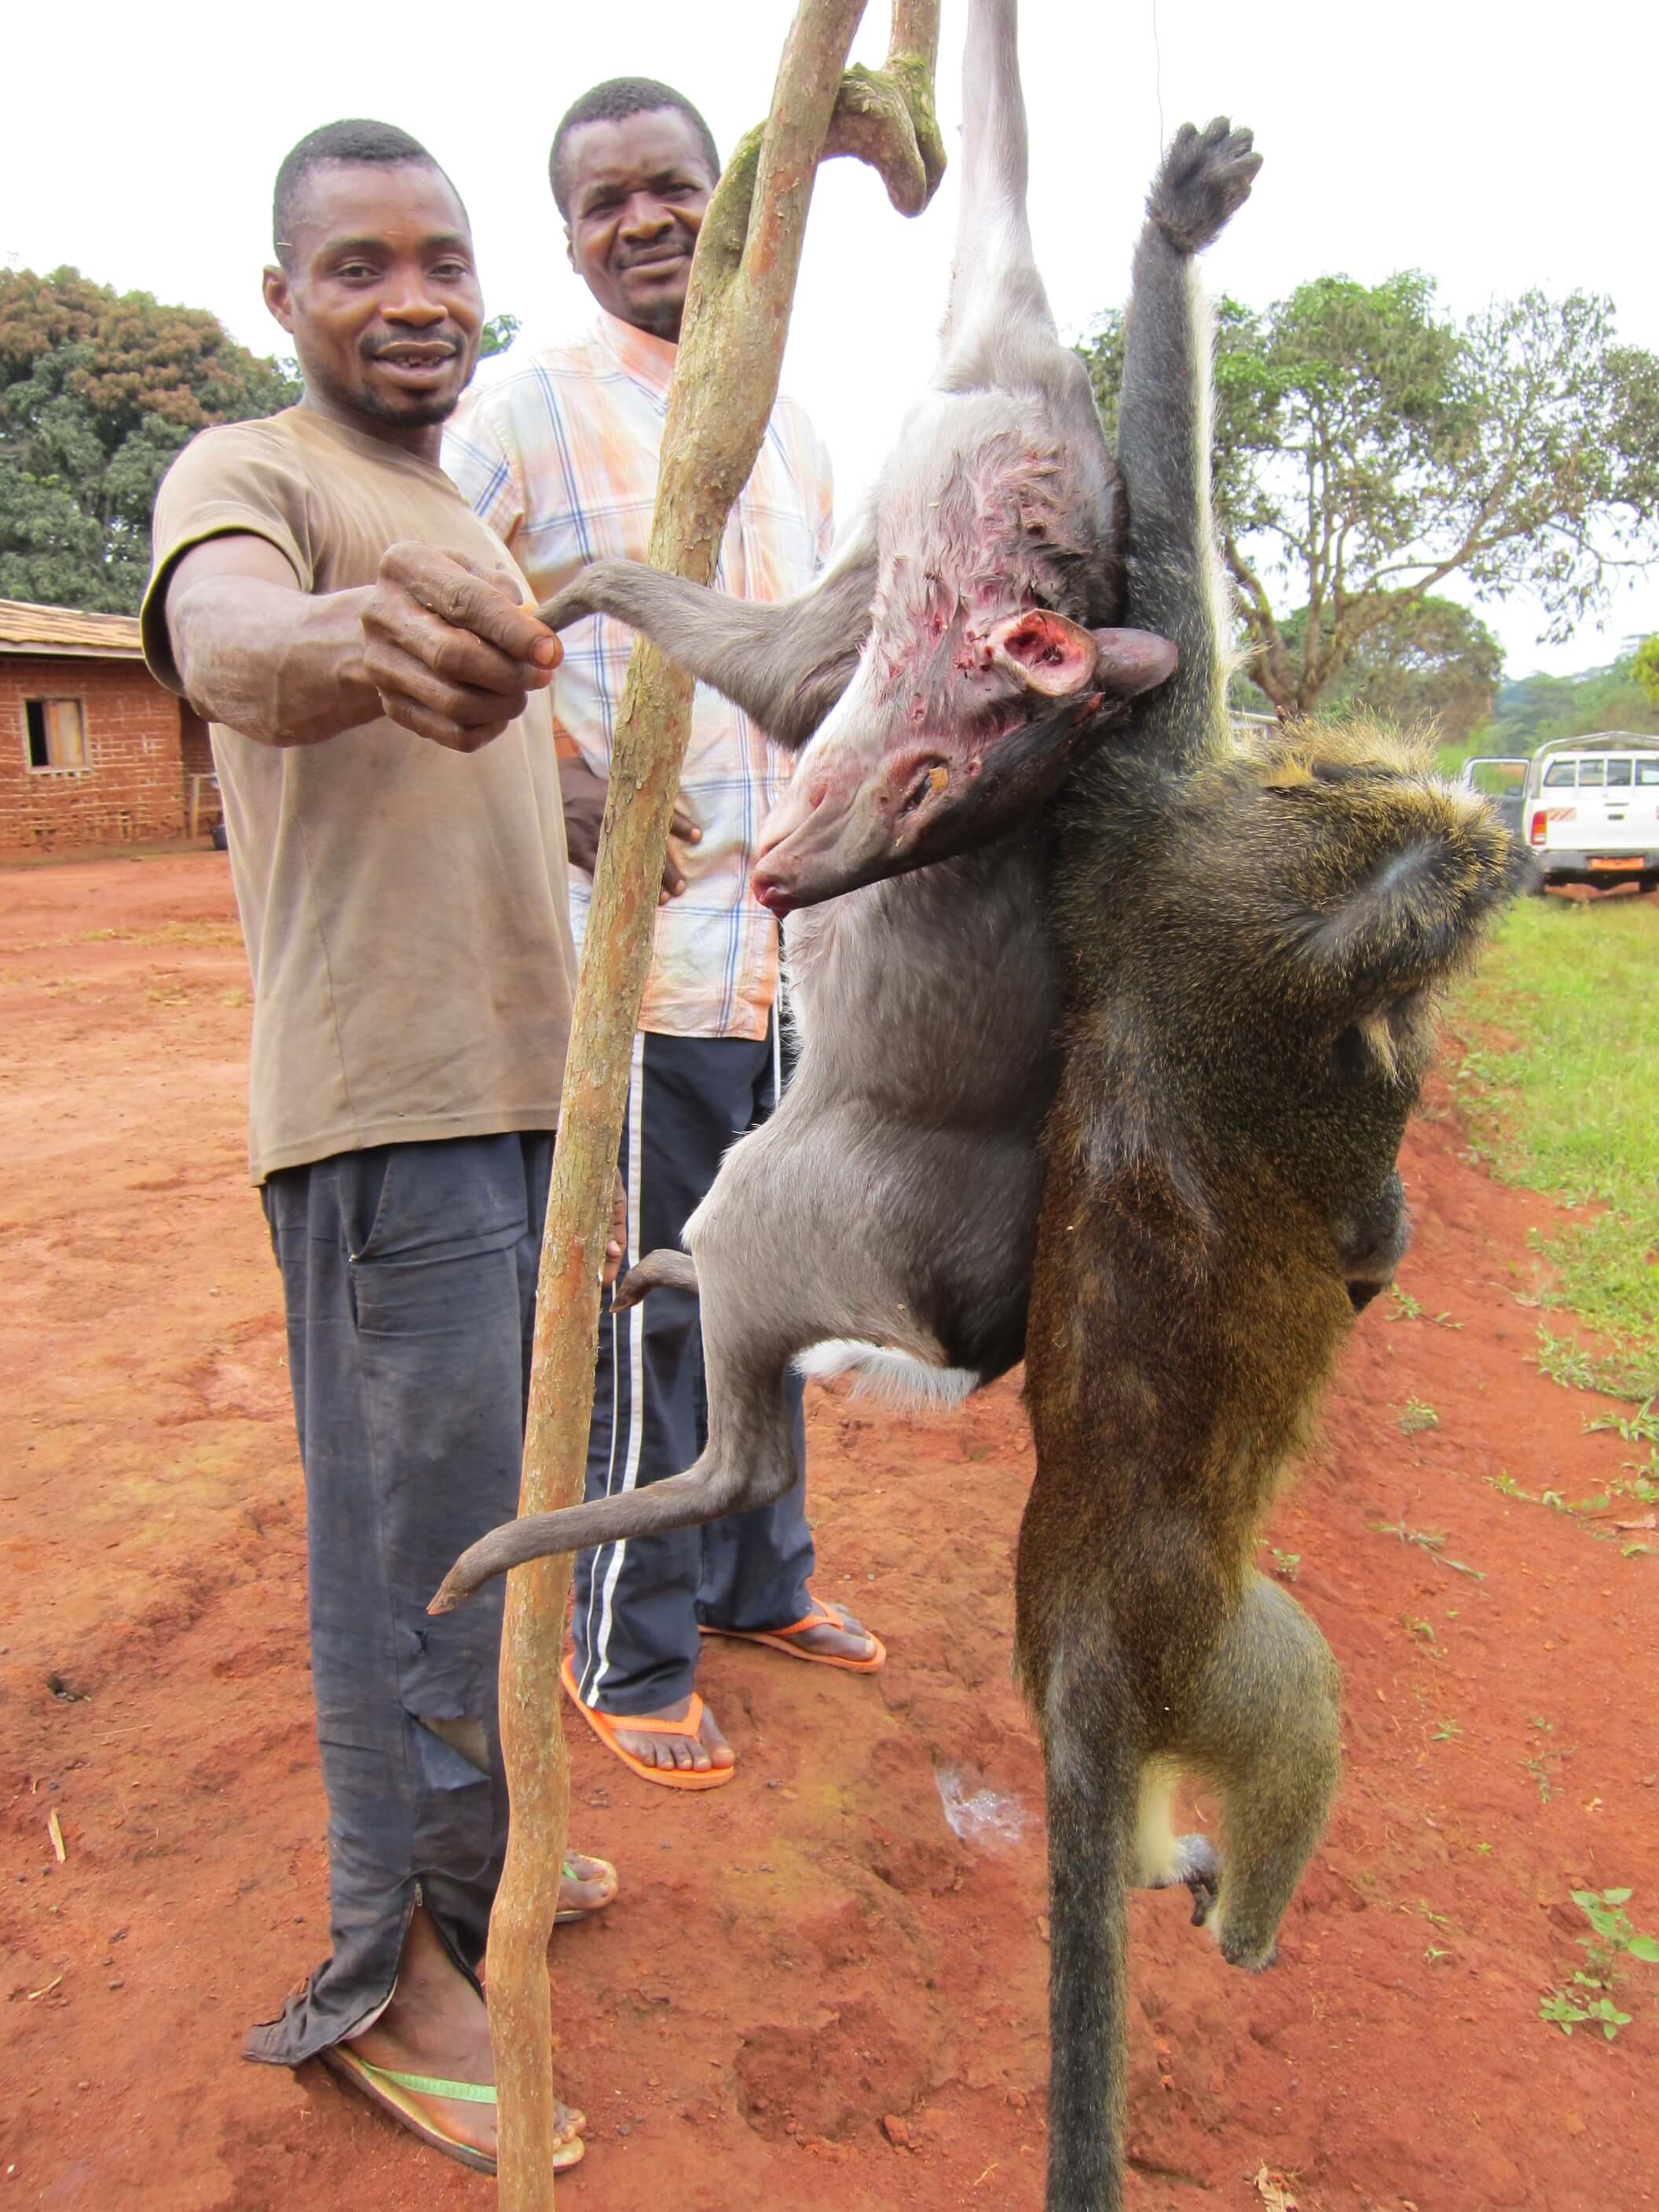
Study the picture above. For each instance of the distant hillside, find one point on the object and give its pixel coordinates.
(1532, 709)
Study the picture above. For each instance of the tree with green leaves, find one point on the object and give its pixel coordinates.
(1645, 669)
(1367, 449)
(98, 391)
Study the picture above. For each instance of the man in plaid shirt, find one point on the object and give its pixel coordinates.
(557, 450)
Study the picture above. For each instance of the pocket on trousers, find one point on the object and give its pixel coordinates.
(413, 1205)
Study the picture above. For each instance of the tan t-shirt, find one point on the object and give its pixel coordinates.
(404, 907)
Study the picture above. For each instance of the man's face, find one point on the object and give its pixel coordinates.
(636, 191)
(380, 293)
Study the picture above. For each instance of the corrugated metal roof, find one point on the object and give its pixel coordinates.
(50, 631)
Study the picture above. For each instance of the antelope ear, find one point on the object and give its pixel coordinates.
(1050, 653)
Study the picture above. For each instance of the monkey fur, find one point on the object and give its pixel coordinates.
(1250, 950)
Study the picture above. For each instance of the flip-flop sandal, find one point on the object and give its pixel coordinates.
(395, 2094)
(563, 1919)
(604, 1726)
(821, 1616)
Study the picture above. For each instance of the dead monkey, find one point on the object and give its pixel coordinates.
(1250, 949)
(959, 655)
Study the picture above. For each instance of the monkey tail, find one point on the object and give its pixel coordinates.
(1093, 1796)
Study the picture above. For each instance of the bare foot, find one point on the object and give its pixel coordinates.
(585, 1886)
(708, 1747)
(436, 2024)
(845, 1638)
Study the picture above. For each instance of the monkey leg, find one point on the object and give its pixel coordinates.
(785, 663)
(1265, 1727)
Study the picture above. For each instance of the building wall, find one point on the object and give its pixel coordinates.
(134, 786)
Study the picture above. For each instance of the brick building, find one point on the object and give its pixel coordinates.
(93, 751)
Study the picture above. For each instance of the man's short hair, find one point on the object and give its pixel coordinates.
(614, 101)
(351, 142)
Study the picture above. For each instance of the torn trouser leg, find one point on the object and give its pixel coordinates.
(409, 1275)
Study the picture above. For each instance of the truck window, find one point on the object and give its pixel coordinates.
(1647, 773)
(1592, 774)
(1619, 772)
(1560, 774)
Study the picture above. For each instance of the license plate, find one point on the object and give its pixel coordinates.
(1627, 866)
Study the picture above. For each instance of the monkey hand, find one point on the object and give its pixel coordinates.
(1206, 179)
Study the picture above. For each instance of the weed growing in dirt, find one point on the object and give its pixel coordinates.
(1286, 1565)
(1615, 1375)
(1428, 1542)
(1587, 2000)
(1406, 1308)
(1538, 1765)
(1641, 1428)
(1570, 1103)
(1416, 1417)
(1447, 1732)
(1644, 1490)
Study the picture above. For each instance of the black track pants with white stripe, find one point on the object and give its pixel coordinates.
(638, 1604)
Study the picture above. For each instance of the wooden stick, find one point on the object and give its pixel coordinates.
(726, 379)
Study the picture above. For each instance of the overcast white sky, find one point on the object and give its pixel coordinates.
(1496, 148)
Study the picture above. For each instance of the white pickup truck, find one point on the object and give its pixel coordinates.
(1589, 807)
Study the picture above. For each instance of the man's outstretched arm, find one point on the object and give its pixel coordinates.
(439, 649)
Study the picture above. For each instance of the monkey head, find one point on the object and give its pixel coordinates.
(986, 671)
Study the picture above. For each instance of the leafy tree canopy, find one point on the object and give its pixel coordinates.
(1429, 661)
(98, 390)
(1367, 449)
(497, 335)
(1645, 670)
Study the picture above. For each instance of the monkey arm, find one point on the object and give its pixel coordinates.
(784, 665)
(1175, 584)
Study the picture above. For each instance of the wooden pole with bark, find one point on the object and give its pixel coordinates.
(725, 384)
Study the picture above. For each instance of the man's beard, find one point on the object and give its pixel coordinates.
(412, 413)
(661, 317)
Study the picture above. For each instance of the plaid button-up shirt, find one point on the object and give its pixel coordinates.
(556, 448)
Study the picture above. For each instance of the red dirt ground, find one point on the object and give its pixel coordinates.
(811, 1989)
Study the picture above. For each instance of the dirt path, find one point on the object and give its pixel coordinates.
(818, 1986)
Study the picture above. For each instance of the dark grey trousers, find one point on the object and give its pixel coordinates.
(638, 1604)
(409, 1273)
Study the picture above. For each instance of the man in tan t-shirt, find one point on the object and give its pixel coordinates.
(358, 640)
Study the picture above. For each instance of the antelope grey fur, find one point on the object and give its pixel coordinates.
(882, 1220)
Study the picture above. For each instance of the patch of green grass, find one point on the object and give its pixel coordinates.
(1586, 1998)
(1416, 1417)
(1560, 1084)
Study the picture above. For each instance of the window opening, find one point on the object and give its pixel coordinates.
(56, 732)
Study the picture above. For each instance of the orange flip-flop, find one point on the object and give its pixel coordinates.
(604, 1726)
(821, 1616)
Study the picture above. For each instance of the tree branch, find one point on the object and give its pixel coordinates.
(725, 385)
